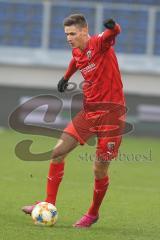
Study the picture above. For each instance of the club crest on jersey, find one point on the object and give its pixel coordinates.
(89, 54)
(111, 146)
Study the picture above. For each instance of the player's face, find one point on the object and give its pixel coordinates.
(76, 36)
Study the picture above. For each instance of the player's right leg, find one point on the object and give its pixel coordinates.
(76, 132)
(56, 171)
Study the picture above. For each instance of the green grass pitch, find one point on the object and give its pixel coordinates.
(129, 211)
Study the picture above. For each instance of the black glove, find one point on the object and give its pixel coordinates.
(109, 23)
(62, 85)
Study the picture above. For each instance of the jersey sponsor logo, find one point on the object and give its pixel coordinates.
(89, 68)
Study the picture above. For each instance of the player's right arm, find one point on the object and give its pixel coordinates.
(63, 83)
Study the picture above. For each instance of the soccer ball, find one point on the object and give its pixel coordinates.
(44, 214)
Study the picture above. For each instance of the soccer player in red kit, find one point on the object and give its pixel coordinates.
(94, 56)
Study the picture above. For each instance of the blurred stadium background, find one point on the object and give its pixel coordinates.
(34, 54)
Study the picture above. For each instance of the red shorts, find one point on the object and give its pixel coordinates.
(83, 128)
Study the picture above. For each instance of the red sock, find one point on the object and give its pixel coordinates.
(100, 188)
(55, 175)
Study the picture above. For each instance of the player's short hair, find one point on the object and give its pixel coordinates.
(75, 19)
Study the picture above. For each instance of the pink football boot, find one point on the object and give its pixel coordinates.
(86, 221)
(28, 209)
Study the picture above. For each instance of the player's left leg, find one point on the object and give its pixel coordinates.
(107, 149)
(101, 183)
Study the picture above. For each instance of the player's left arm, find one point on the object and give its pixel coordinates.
(112, 30)
(107, 38)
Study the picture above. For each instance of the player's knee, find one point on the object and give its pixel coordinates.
(99, 172)
(57, 160)
(56, 155)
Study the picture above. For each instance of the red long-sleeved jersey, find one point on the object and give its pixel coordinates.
(99, 68)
